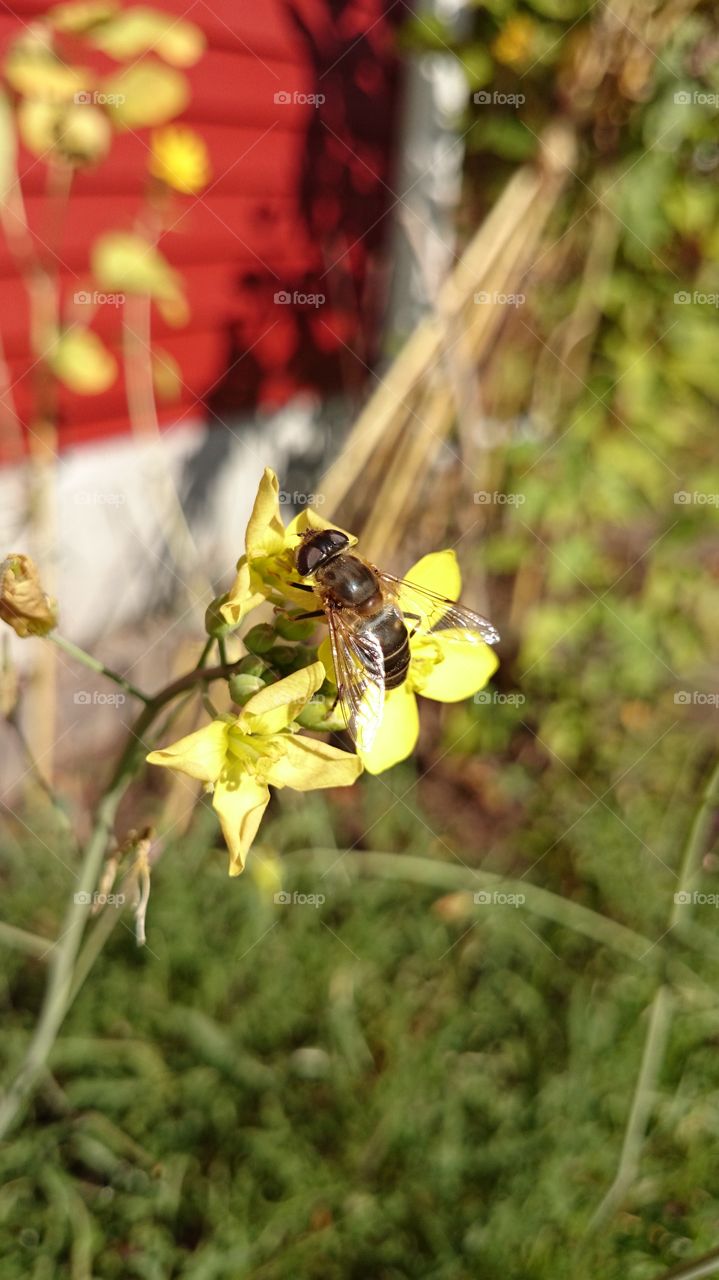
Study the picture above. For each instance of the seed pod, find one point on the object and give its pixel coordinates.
(260, 639)
(23, 603)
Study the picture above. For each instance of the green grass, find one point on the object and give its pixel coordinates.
(392, 1084)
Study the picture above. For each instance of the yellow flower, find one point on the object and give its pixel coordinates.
(267, 568)
(179, 158)
(239, 758)
(23, 603)
(447, 665)
(515, 42)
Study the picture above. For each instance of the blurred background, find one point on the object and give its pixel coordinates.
(452, 271)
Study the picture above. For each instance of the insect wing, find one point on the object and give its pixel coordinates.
(425, 611)
(359, 668)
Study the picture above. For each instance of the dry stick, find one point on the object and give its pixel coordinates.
(659, 1020)
(422, 349)
(63, 952)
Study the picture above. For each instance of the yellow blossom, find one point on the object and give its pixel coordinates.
(23, 603)
(267, 568)
(515, 42)
(179, 158)
(239, 758)
(447, 665)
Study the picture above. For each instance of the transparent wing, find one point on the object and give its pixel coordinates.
(425, 611)
(359, 667)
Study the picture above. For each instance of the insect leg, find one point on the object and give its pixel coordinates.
(302, 617)
(300, 586)
(415, 618)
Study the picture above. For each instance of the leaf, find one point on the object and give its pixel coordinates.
(142, 30)
(147, 93)
(80, 360)
(125, 263)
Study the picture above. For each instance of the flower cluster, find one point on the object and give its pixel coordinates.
(283, 687)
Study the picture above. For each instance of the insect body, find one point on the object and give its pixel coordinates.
(367, 612)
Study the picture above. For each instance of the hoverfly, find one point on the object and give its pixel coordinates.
(368, 627)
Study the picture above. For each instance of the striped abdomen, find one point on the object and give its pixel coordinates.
(388, 628)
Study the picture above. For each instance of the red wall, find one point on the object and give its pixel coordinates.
(298, 201)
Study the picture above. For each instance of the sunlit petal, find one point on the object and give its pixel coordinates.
(199, 755)
(276, 706)
(265, 531)
(437, 572)
(239, 801)
(449, 666)
(397, 735)
(308, 764)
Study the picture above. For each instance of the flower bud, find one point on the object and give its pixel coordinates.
(290, 629)
(243, 687)
(23, 603)
(251, 665)
(260, 639)
(215, 624)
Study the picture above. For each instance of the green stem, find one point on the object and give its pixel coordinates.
(21, 940)
(660, 1013)
(63, 953)
(95, 665)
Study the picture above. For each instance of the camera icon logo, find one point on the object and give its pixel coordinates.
(82, 697)
(83, 99)
(283, 97)
(482, 698)
(482, 298)
(482, 97)
(282, 898)
(82, 297)
(682, 899)
(682, 497)
(283, 298)
(483, 898)
(682, 297)
(682, 698)
(82, 899)
(683, 98)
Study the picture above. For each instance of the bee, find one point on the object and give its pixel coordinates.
(369, 631)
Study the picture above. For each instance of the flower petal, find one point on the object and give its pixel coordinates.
(307, 764)
(265, 531)
(397, 735)
(437, 572)
(464, 665)
(239, 801)
(199, 755)
(243, 596)
(276, 706)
